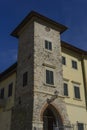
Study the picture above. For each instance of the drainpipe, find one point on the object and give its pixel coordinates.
(84, 79)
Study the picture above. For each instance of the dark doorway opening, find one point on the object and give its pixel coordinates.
(51, 119)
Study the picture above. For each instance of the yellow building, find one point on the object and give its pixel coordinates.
(75, 82)
(47, 87)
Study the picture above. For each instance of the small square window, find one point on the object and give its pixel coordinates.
(2, 93)
(74, 64)
(48, 45)
(49, 77)
(63, 60)
(77, 92)
(65, 85)
(25, 78)
(10, 88)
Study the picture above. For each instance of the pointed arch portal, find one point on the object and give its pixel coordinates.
(51, 119)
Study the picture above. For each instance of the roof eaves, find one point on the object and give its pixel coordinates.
(73, 48)
(8, 71)
(32, 14)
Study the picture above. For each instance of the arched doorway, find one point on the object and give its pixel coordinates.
(51, 119)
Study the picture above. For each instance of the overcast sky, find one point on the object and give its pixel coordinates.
(71, 13)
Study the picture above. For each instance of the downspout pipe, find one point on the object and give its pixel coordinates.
(84, 78)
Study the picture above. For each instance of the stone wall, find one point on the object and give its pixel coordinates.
(35, 59)
(23, 109)
(45, 59)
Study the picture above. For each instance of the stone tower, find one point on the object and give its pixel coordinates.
(39, 91)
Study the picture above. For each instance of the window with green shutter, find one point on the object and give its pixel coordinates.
(2, 93)
(77, 92)
(49, 77)
(74, 64)
(65, 85)
(25, 78)
(10, 88)
(63, 60)
(80, 126)
(48, 45)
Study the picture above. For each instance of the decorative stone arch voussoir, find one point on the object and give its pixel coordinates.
(54, 106)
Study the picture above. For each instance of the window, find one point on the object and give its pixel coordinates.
(65, 89)
(63, 60)
(2, 93)
(48, 45)
(74, 64)
(25, 79)
(80, 126)
(77, 92)
(49, 77)
(10, 87)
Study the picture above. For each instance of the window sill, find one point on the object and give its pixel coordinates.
(64, 64)
(75, 82)
(77, 99)
(49, 85)
(66, 96)
(49, 51)
(48, 65)
(76, 69)
(24, 87)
